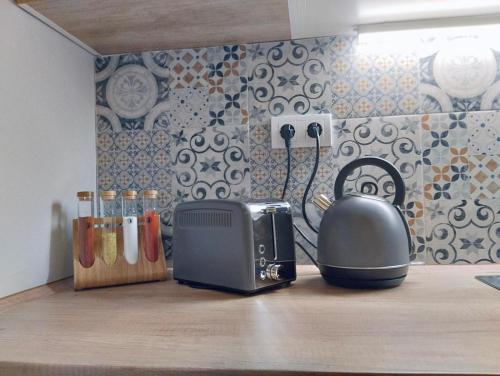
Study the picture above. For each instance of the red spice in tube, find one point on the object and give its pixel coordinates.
(86, 228)
(151, 234)
(86, 241)
(151, 225)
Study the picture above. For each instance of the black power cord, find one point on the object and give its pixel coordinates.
(307, 253)
(313, 130)
(304, 236)
(287, 132)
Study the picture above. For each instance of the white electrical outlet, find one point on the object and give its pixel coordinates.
(300, 123)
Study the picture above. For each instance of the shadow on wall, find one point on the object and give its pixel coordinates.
(60, 244)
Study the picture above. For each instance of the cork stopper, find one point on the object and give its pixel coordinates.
(108, 195)
(129, 195)
(85, 195)
(150, 193)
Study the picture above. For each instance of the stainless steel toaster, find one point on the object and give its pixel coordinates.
(243, 247)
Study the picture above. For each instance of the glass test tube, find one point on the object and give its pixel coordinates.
(86, 228)
(151, 224)
(130, 230)
(108, 229)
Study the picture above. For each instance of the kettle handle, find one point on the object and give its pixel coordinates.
(399, 196)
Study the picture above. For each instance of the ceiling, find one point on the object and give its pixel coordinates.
(118, 26)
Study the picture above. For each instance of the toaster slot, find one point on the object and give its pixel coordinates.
(273, 229)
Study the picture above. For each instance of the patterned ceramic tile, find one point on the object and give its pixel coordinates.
(340, 61)
(445, 156)
(463, 231)
(484, 132)
(188, 107)
(484, 176)
(462, 75)
(228, 87)
(105, 66)
(135, 160)
(369, 84)
(414, 213)
(188, 68)
(128, 87)
(398, 140)
(289, 77)
(268, 169)
(384, 84)
(131, 93)
(278, 70)
(210, 162)
(134, 91)
(301, 257)
(177, 121)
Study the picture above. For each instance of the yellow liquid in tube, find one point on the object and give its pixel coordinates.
(109, 250)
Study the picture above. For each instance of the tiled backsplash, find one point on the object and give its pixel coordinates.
(195, 124)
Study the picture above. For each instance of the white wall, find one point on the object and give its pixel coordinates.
(47, 148)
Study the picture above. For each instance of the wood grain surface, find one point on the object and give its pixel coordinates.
(120, 26)
(36, 293)
(439, 321)
(121, 272)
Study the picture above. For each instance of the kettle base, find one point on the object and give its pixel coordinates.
(364, 283)
(366, 278)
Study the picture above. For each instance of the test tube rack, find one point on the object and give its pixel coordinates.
(120, 272)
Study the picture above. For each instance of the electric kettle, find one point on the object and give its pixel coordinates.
(364, 241)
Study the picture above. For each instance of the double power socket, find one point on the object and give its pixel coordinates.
(300, 123)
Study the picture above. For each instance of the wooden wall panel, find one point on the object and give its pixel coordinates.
(118, 26)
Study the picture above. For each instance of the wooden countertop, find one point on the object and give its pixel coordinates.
(440, 321)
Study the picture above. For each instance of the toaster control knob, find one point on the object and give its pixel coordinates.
(273, 271)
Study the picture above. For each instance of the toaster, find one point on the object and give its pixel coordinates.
(243, 247)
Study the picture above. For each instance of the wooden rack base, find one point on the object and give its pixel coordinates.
(121, 272)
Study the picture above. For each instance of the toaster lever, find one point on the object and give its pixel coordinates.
(272, 211)
(275, 245)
